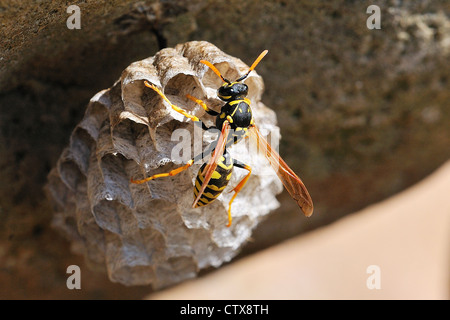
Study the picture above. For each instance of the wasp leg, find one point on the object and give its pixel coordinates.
(174, 107)
(176, 171)
(167, 174)
(203, 104)
(239, 186)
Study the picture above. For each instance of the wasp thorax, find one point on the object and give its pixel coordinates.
(232, 91)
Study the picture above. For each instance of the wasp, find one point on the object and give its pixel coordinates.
(235, 122)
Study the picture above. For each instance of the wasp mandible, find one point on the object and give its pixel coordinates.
(235, 121)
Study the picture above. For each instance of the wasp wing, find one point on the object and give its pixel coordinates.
(290, 180)
(212, 163)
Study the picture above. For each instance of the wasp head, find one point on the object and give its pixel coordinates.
(232, 91)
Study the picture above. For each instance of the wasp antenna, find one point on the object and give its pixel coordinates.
(253, 65)
(214, 69)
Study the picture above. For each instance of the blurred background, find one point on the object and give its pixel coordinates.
(364, 115)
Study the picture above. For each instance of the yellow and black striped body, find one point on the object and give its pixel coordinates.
(239, 115)
(218, 182)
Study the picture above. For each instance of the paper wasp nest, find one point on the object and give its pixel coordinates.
(149, 233)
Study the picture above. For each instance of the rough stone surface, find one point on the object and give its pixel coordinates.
(363, 113)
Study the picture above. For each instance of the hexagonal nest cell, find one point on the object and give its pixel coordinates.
(149, 233)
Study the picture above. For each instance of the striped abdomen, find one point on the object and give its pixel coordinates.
(218, 182)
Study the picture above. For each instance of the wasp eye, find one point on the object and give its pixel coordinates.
(241, 88)
(226, 92)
